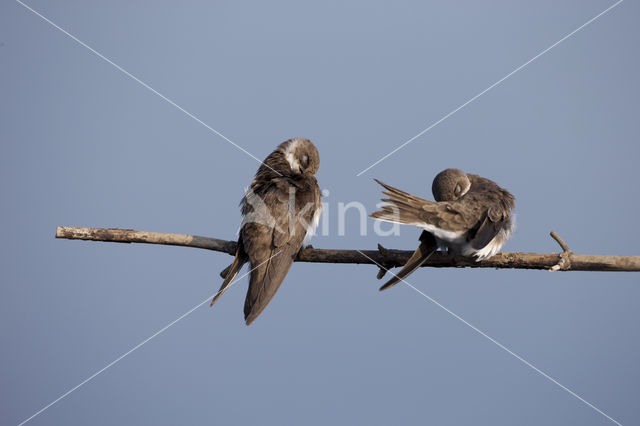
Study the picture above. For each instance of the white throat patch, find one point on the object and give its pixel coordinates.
(465, 191)
(291, 159)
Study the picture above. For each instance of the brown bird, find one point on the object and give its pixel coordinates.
(471, 216)
(281, 210)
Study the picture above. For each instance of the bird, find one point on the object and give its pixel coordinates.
(471, 216)
(280, 210)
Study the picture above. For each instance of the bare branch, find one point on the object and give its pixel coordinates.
(388, 257)
(560, 241)
(564, 258)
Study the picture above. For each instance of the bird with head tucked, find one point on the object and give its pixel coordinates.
(472, 216)
(281, 210)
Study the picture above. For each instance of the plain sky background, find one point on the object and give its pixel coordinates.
(85, 145)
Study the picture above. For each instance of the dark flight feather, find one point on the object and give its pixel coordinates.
(231, 271)
(427, 247)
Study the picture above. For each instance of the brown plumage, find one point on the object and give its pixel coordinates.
(280, 209)
(471, 216)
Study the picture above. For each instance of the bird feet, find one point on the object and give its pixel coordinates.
(383, 268)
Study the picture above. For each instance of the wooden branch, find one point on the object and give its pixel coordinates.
(389, 258)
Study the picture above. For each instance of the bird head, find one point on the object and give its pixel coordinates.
(301, 156)
(294, 157)
(450, 185)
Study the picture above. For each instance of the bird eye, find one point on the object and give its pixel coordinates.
(458, 190)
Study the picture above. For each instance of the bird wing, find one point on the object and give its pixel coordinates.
(446, 220)
(272, 245)
(491, 207)
(400, 207)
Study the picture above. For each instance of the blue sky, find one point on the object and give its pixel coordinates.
(86, 145)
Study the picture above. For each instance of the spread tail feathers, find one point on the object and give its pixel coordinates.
(230, 272)
(402, 207)
(427, 247)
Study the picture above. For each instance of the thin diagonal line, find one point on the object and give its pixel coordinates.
(139, 345)
(136, 79)
(492, 86)
(500, 345)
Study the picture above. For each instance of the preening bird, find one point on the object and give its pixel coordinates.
(281, 210)
(472, 216)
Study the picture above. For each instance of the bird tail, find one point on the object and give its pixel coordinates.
(401, 207)
(264, 282)
(427, 247)
(225, 271)
(231, 271)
